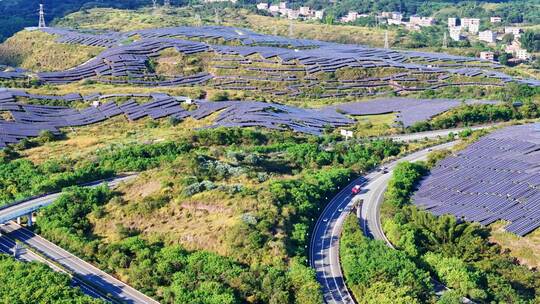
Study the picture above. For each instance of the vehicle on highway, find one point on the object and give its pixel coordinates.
(356, 189)
(384, 170)
(325, 220)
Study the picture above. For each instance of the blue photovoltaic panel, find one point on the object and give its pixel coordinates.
(495, 178)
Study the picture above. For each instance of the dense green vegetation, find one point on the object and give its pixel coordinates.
(36, 283)
(25, 13)
(457, 253)
(378, 274)
(267, 247)
(20, 178)
(478, 114)
(531, 41)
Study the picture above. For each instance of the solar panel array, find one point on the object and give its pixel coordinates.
(301, 62)
(495, 178)
(29, 120)
(409, 111)
(11, 73)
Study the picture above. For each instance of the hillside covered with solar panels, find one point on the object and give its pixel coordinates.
(237, 59)
(239, 140)
(495, 178)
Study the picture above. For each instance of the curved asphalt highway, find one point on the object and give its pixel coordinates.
(324, 246)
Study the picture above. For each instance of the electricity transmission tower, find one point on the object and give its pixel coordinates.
(167, 3)
(154, 4)
(386, 43)
(41, 23)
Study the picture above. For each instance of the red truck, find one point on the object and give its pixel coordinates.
(356, 189)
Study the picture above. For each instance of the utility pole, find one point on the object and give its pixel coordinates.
(217, 20)
(445, 41)
(198, 20)
(291, 29)
(41, 23)
(386, 43)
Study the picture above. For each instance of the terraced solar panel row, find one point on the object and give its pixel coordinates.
(126, 63)
(496, 178)
(29, 119)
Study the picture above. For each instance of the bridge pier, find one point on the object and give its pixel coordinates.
(29, 223)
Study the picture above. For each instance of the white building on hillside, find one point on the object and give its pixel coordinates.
(516, 31)
(455, 33)
(495, 19)
(293, 14)
(487, 36)
(452, 22)
(351, 17)
(319, 14)
(487, 56)
(262, 6)
(274, 9)
(422, 21)
(522, 54)
(517, 51)
(305, 11)
(397, 16)
(472, 24)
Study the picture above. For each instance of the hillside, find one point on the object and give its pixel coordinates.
(235, 136)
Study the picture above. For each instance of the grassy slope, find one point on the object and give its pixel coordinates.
(525, 249)
(37, 51)
(123, 20)
(180, 221)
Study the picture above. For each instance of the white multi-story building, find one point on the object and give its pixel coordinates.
(422, 21)
(397, 16)
(487, 36)
(319, 14)
(262, 6)
(282, 5)
(274, 9)
(394, 22)
(452, 22)
(472, 24)
(305, 11)
(517, 51)
(351, 17)
(495, 19)
(293, 14)
(516, 31)
(522, 54)
(455, 33)
(487, 56)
